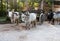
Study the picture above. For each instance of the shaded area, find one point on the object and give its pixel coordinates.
(56, 2)
(4, 20)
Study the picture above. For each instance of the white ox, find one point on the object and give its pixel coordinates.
(10, 14)
(57, 17)
(14, 17)
(31, 19)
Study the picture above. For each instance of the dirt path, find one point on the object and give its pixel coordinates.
(45, 32)
(10, 27)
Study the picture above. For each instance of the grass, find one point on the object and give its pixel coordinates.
(2, 19)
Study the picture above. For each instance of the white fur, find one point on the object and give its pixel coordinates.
(23, 17)
(14, 17)
(32, 17)
(56, 16)
(29, 19)
(9, 14)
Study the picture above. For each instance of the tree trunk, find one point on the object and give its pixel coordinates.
(42, 3)
(1, 5)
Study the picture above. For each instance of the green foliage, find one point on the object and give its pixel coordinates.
(3, 5)
(2, 19)
(20, 3)
(50, 2)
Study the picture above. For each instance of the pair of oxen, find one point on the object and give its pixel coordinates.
(29, 20)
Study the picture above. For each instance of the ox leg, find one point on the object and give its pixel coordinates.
(14, 20)
(17, 22)
(34, 23)
(27, 25)
(57, 21)
(41, 21)
(11, 20)
(52, 21)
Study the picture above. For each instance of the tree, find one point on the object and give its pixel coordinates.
(42, 3)
(50, 2)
